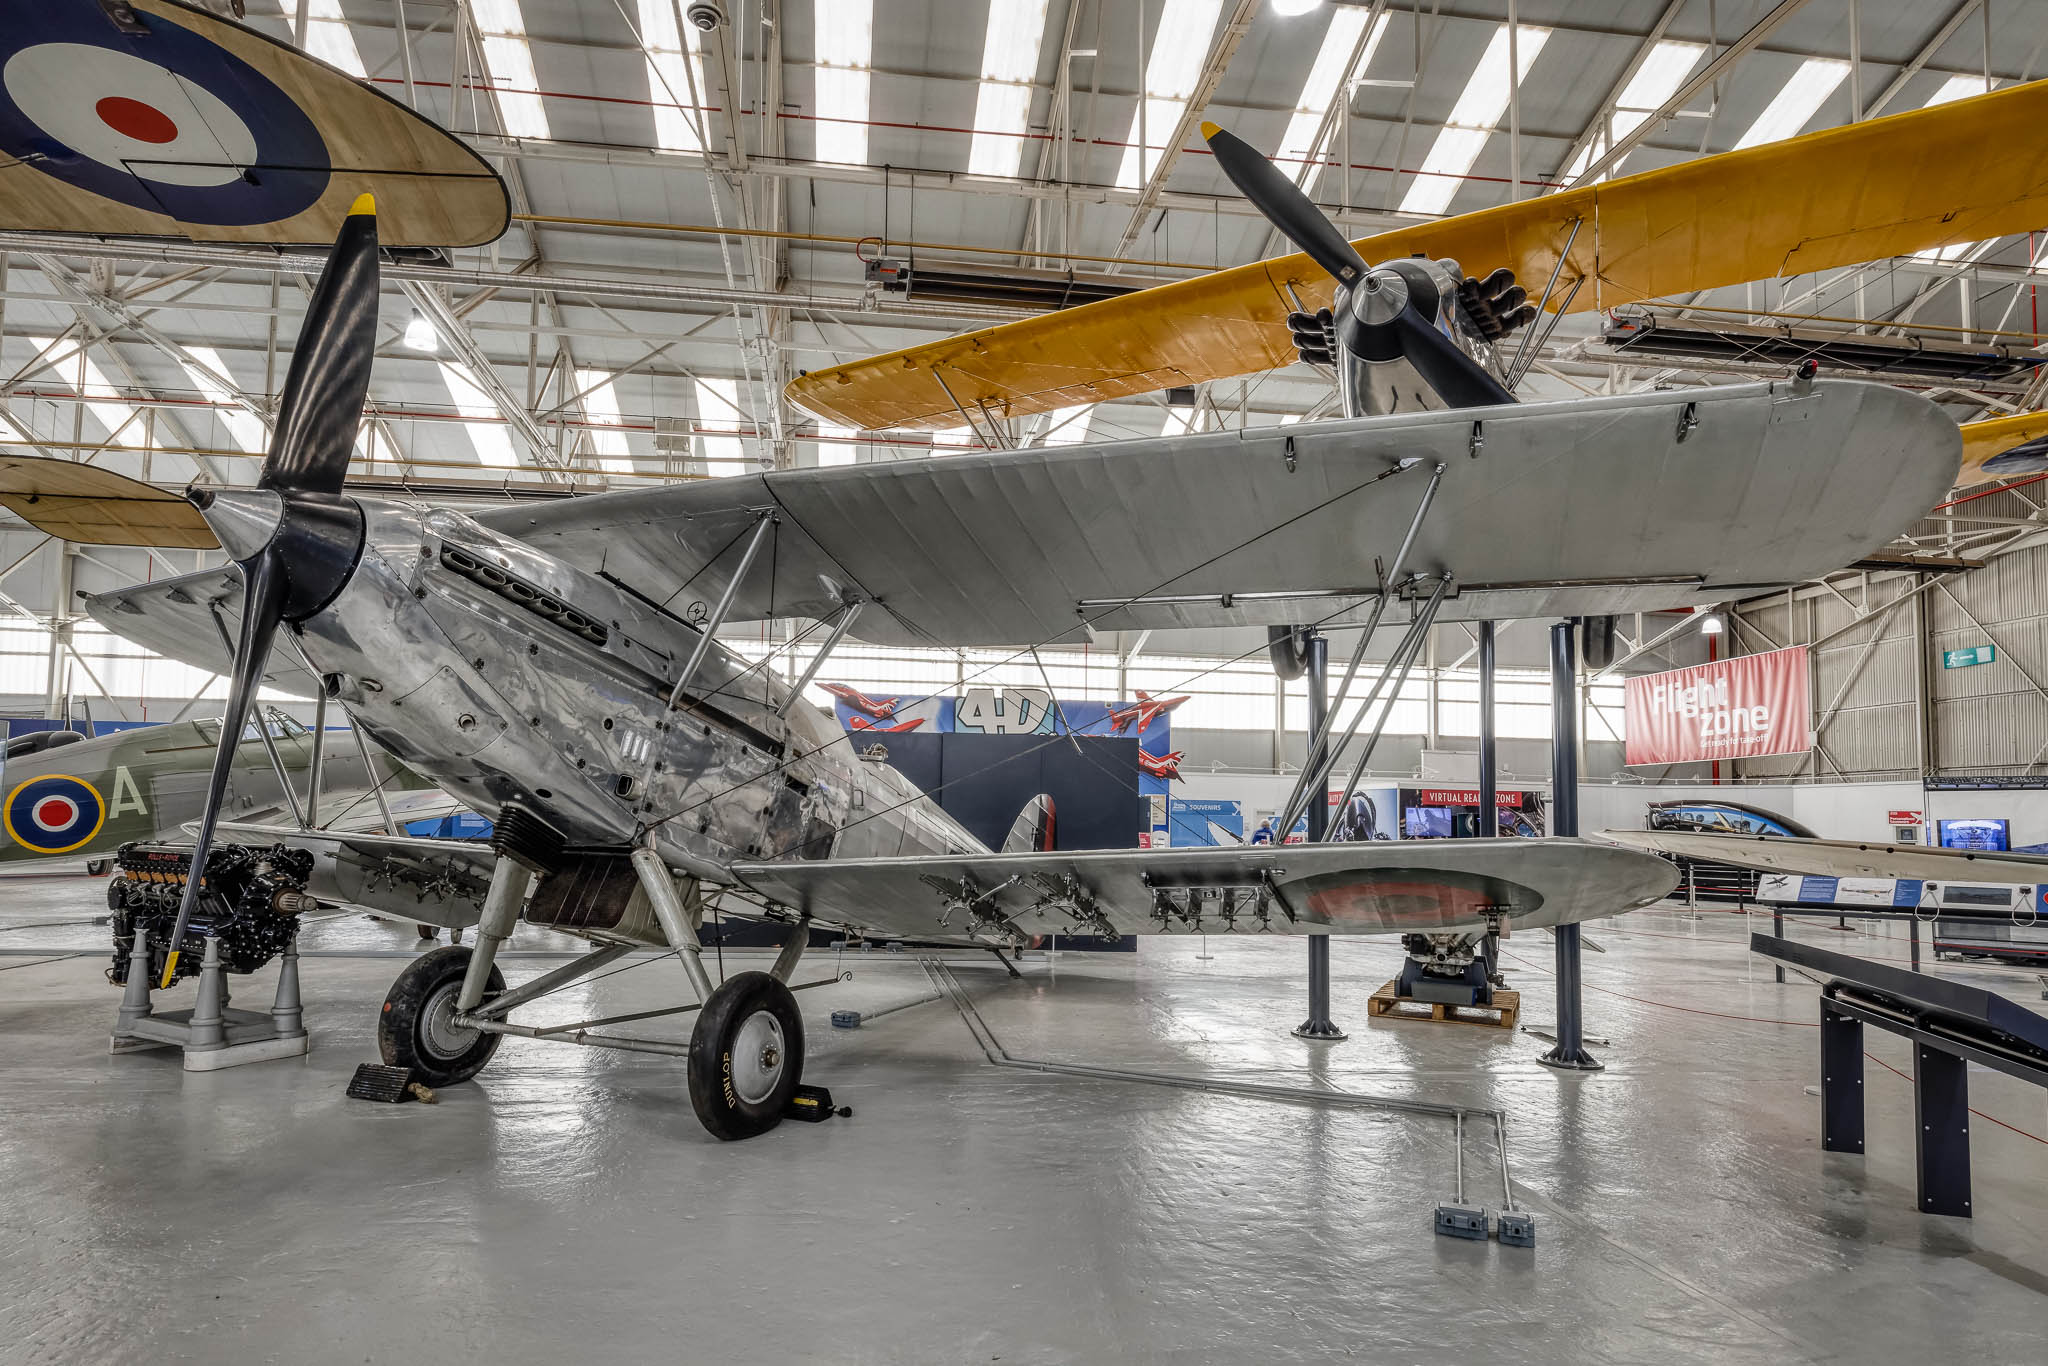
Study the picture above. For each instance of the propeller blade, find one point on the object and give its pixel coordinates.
(1456, 377)
(330, 374)
(263, 596)
(1284, 205)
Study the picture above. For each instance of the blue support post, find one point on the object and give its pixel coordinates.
(1570, 1051)
(1317, 1025)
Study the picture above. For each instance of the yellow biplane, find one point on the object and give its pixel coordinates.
(1840, 197)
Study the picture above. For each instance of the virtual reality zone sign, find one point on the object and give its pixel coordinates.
(1741, 708)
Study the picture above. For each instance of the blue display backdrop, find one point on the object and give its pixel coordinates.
(1027, 711)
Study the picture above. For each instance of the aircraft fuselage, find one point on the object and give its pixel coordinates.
(506, 676)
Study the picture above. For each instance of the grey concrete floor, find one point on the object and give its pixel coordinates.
(566, 1206)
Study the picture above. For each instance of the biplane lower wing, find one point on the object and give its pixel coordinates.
(403, 877)
(1840, 858)
(1600, 505)
(1387, 887)
(177, 618)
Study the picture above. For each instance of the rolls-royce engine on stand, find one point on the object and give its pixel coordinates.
(251, 897)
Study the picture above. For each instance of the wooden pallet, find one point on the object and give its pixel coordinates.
(1506, 1007)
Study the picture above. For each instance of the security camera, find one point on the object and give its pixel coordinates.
(706, 14)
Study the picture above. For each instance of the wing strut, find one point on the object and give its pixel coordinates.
(847, 616)
(1399, 663)
(1379, 608)
(763, 524)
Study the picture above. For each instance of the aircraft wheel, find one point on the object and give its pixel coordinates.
(98, 867)
(428, 931)
(746, 1056)
(416, 1028)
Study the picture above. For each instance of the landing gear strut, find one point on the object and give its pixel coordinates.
(417, 1027)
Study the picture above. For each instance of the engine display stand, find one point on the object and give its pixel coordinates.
(212, 1033)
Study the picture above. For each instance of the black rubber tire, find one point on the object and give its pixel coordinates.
(406, 1024)
(98, 867)
(719, 1091)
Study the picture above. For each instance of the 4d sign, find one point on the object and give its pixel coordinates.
(1742, 708)
(1005, 711)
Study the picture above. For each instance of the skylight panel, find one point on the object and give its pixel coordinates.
(1797, 101)
(671, 67)
(489, 439)
(64, 358)
(510, 61)
(1009, 66)
(1325, 77)
(1661, 73)
(835, 445)
(1182, 420)
(845, 51)
(244, 427)
(718, 405)
(1472, 120)
(327, 33)
(1178, 50)
(601, 406)
(1959, 88)
(1068, 426)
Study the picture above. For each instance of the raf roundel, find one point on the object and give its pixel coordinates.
(54, 813)
(168, 122)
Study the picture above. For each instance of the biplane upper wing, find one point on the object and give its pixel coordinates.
(1408, 887)
(1613, 504)
(1840, 858)
(1928, 178)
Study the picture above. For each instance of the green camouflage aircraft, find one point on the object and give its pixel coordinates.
(83, 799)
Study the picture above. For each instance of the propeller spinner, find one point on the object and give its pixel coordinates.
(295, 536)
(1381, 313)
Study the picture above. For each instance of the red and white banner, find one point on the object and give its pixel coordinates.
(1741, 708)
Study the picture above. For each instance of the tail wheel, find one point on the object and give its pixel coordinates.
(746, 1056)
(417, 1028)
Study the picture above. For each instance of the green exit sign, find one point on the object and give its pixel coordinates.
(1963, 659)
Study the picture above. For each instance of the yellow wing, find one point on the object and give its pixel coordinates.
(1953, 173)
(92, 506)
(2002, 447)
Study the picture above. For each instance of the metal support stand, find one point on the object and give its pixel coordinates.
(1841, 1081)
(1570, 1052)
(1317, 1026)
(1941, 1124)
(1489, 768)
(213, 1034)
(510, 880)
(678, 923)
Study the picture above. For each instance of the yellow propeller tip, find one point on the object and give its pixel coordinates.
(1209, 130)
(365, 204)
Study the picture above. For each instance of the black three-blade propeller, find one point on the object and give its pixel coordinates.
(294, 535)
(1380, 313)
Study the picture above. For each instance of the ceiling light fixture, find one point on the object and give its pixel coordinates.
(420, 334)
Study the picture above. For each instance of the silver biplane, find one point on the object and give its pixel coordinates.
(558, 668)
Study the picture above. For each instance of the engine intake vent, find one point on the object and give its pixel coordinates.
(522, 594)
